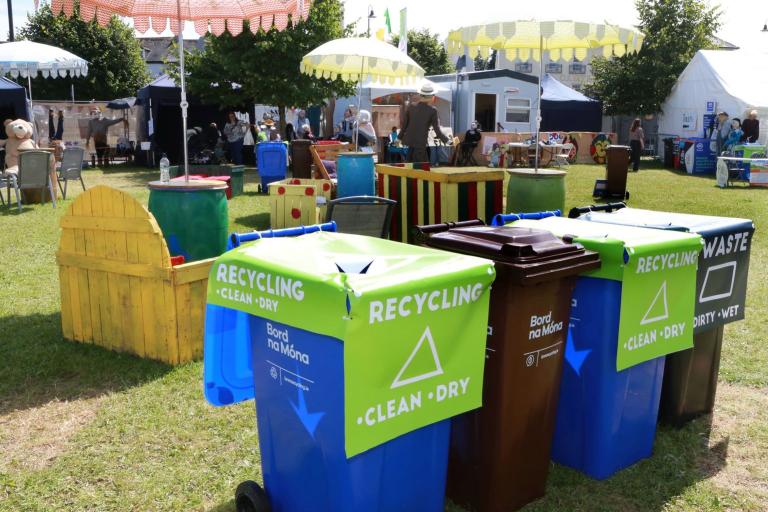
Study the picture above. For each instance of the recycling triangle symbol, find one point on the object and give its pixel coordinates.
(424, 355)
(658, 310)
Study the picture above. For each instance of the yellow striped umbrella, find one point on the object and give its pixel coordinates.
(529, 39)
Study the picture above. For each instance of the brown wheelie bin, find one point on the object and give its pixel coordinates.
(499, 457)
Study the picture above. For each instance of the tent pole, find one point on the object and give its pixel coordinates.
(29, 86)
(356, 133)
(538, 103)
(183, 103)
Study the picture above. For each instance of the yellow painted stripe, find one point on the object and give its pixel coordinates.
(420, 202)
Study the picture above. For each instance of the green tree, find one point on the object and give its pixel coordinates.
(264, 67)
(639, 83)
(428, 52)
(115, 67)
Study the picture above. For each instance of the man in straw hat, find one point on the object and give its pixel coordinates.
(417, 120)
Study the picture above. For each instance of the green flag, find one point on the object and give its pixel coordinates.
(387, 21)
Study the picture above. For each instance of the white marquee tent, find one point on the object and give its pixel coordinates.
(737, 81)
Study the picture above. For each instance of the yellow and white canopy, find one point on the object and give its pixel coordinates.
(354, 58)
(564, 39)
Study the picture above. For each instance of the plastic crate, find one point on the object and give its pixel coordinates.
(296, 202)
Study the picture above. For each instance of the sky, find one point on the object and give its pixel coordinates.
(742, 19)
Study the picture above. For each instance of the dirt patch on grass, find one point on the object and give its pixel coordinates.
(739, 441)
(31, 439)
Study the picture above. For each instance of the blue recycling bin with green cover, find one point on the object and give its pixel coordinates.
(690, 376)
(357, 351)
(625, 317)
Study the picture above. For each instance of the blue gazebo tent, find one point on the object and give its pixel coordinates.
(159, 102)
(567, 110)
(13, 102)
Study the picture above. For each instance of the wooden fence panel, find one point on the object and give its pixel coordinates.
(118, 287)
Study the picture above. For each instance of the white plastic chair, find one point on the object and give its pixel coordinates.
(561, 158)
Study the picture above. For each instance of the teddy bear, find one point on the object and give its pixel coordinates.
(19, 134)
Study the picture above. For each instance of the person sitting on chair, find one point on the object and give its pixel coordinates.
(471, 140)
(417, 120)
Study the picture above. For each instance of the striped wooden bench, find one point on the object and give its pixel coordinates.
(322, 152)
(118, 287)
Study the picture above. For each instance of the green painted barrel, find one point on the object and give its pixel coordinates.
(236, 179)
(535, 191)
(193, 217)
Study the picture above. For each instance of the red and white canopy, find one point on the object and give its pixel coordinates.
(213, 15)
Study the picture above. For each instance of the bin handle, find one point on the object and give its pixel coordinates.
(421, 231)
(237, 239)
(577, 212)
(500, 219)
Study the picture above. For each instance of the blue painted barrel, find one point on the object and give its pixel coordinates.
(355, 173)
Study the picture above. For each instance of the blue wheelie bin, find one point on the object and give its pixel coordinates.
(358, 351)
(690, 376)
(271, 161)
(625, 318)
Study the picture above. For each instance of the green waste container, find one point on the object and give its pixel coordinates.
(532, 190)
(193, 217)
(236, 177)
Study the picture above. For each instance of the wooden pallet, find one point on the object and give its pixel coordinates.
(118, 288)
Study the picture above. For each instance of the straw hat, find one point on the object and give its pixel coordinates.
(427, 90)
(269, 122)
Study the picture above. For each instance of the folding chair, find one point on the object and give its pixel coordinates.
(561, 158)
(362, 215)
(71, 168)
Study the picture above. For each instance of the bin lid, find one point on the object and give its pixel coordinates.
(532, 255)
(187, 186)
(614, 242)
(721, 285)
(705, 225)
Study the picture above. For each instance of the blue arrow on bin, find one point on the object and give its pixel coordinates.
(575, 357)
(308, 419)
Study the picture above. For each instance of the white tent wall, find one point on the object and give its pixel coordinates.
(736, 80)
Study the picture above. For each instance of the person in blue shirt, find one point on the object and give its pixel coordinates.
(734, 136)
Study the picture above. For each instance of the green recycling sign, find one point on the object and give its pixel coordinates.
(415, 355)
(657, 270)
(657, 302)
(413, 322)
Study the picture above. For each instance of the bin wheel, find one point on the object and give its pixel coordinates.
(626, 195)
(250, 497)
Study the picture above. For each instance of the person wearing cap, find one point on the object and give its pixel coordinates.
(417, 121)
(98, 127)
(722, 130)
(751, 128)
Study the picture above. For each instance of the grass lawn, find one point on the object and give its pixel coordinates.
(82, 428)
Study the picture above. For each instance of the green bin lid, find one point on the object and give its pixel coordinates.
(615, 243)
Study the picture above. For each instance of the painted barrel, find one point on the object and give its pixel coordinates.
(532, 190)
(355, 174)
(193, 217)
